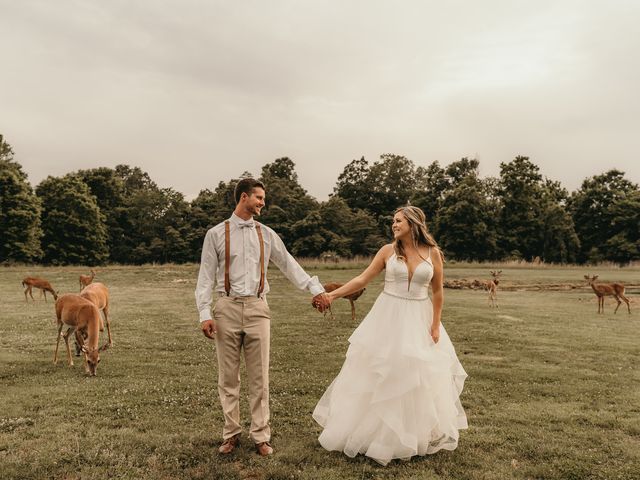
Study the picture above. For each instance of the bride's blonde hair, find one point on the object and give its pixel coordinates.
(419, 233)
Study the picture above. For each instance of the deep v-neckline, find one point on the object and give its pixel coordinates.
(409, 274)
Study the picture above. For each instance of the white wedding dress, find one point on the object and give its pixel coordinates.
(397, 394)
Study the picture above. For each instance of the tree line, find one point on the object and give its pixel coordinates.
(120, 215)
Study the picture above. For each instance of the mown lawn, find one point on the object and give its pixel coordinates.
(553, 389)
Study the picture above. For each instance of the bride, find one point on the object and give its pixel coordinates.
(397, 394)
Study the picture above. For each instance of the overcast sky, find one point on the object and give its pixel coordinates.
(195, 92)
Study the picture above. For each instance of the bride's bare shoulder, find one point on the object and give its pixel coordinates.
(386, 251)
(437, 257)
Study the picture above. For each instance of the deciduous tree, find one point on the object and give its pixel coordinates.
(465, 225)
(74, 228)
(286, 201)
(19, 211)
(596, 210)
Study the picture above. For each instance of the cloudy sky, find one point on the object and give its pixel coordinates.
(195, 92)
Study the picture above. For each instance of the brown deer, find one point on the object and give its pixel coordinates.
(86, 279)
(42, 284)
(98, 294)
(602, 290)
(492, 288)
(79, 314)
(352, 297)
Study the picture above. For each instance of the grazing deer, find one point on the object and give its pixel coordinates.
(601, 290)
(79, 314)
(492, 287)
(42, 284)
(86, 279)
(352, 297)
(98, 294)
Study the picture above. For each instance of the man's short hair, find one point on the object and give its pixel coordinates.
(246, 185)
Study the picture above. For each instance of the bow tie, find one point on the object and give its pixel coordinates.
(247, 224)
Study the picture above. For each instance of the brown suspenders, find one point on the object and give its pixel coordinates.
(261, 287)
(227, 258)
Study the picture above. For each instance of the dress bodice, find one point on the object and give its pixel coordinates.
(396, 279)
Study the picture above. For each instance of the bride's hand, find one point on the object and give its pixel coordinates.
(435, 333)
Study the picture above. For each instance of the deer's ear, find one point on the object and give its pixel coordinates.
(587, 277)
(595, 276)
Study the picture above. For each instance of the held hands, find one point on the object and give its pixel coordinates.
(321, 302)
(209, 329)
(435, 332)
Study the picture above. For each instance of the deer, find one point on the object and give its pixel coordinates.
(352, 297)
(85, 280)
(79, 314)
(42, 284)
(492, 287)
(602, 290)
(98, 294)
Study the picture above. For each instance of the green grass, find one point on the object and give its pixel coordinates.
(553, 389)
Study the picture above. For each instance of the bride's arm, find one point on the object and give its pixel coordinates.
(362, 280)
(438, 293)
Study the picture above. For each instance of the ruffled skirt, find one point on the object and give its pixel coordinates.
(397, 394)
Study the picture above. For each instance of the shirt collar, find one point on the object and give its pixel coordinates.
(238, 222)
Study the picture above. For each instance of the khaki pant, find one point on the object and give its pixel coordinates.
(243, 323)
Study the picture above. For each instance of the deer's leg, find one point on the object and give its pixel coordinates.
(66, 341)
(106, 318)
(25, 295)
(44, 292)
(55, 356)
(619, 303)
(78, 344)
(353, 310)
(80, 341)
(626, 300)
(30, 288)
(108, 322)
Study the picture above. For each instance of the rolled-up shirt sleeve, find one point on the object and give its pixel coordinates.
(206, 277)
(291, 268)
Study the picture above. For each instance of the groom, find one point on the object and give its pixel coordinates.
(235, 257)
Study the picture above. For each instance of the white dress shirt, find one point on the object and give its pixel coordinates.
(244, 271)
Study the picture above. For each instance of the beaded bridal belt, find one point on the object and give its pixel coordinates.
(406, 298)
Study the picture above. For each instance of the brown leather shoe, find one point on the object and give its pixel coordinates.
(264, 448)
(229, 444)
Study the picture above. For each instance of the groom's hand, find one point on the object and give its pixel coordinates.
(321, 302)
(209, 329)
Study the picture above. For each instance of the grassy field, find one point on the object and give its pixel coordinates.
(553, 389)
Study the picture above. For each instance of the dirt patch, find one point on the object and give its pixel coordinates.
(510, 318)
(474, 284)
